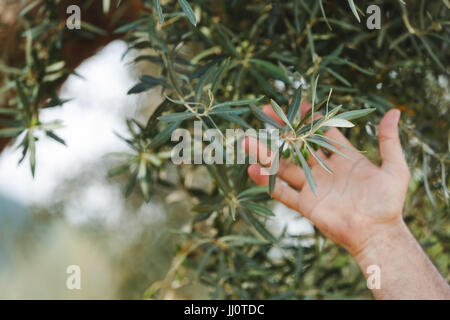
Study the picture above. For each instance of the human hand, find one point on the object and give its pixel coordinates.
(358, 200)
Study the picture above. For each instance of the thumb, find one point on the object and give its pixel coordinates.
(389, 140)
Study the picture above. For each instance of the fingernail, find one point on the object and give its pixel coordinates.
(397, 115)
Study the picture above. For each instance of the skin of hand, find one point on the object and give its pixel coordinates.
(359, 206)
(354, 202)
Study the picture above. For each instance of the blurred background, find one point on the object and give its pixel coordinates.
(71, 213)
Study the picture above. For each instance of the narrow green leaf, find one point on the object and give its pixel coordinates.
(324, 15)
(159, 11)
(29, 7)
(202, 264)
(264, 84)
(9, 111)
(264, 117)
(164, 135)
(235, 119)
(202, 217)
(22, 96)
(11, 132)
(319, 160)
(130, 26)
(32, 148)
(253, 191)
(106, 5)
(297, 15)
(219, 73)
(236, 103)
(238, 240)
(55, 67)
(427, 46)
(232, 211)
(336, 142)
(272, 182)
(294, 107)
(56, 103)
(398, 40)
(338, 122)
(306, 169)
(49, 126)
(310, 115)
(206, 207)
(314, 96)
(130, 185)
(10, 123)
(270, 68)
(146, 185)
(298, 264)
(118, 170)
(147, 83)
(228, 110)
(24, 145)
(280, 113)
(323, 143)
(204, 79)
(180, 102)
(225, 41)
(354, 10)
(92, 28)
(188, 11)
(55, 137)
(176, 116)
(311, 43)
(343, 24)
(338, 77)
(354, 65)
(140, 87)
(257, 208)
(219, 174)
(355, 114)
(259, 227)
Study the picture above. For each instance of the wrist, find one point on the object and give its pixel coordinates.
(384, 241)
(396, 267)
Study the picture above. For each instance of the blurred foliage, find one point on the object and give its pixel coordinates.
(225, 53)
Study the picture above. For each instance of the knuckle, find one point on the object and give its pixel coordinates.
(384, 138)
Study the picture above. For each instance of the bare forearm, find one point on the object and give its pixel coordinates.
(405, 270)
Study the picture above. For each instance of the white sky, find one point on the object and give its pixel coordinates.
(99, 106)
